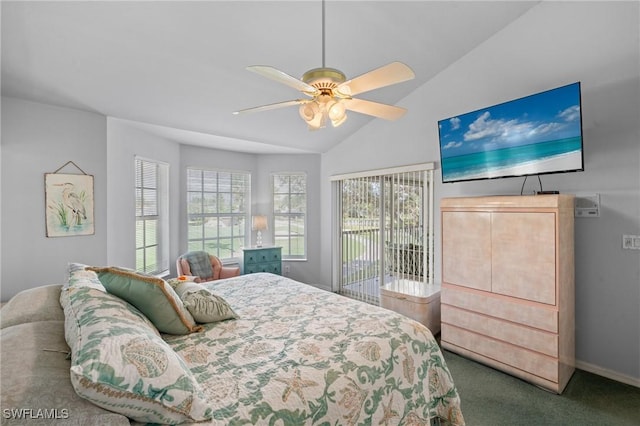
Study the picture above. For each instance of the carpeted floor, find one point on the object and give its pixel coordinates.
(492, 398)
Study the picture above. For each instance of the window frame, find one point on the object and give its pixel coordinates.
(286, 251)
(218, 215)
(161, 216)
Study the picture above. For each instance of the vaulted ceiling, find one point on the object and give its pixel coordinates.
(177, 68)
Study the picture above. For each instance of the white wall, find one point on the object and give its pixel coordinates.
(555, 43)
(307, 271)
(124, 142)
(38, 139)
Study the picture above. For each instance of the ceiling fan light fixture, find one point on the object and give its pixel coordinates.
(337, 112)
(312, 114)
(337, 122)
(318, 122)
(308, 111)
(331, 94)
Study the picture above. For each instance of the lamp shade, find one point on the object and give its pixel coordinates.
(312, 114)
(259, 223)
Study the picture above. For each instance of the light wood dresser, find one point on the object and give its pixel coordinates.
(508, 284)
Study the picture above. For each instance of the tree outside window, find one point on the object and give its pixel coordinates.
(289, 214)
(217, 210)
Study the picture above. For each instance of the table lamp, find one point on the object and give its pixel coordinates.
(259, 223)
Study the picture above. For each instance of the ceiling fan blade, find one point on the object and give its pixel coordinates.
(388, 112)
(273, 106)
(395, 72)
(284, 78)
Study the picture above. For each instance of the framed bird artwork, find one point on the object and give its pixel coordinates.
(69, 204)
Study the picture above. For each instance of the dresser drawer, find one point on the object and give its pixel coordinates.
(501, 307)
(518, 335)
(272, 267)
(522, 359)
(262, 256)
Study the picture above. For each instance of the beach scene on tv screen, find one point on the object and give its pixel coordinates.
(536, 134)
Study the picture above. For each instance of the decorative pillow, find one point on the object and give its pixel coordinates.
(199, 264)
(120, 364)
(80, 276)
(152, 295)
(204, 305)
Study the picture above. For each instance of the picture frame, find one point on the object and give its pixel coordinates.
(69, 204)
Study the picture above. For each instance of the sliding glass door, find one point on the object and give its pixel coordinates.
(383, 224)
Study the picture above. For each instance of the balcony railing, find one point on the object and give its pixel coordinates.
(361, 275)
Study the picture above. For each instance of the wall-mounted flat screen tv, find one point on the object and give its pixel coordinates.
(534, 135)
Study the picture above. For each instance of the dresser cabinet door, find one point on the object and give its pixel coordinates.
(466, 249)
(524, 256)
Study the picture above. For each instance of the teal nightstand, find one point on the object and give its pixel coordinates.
(262, 259)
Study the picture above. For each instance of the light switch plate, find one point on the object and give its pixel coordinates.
(631, 242)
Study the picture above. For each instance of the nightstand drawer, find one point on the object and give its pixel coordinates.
(273, 267)
(261, 256)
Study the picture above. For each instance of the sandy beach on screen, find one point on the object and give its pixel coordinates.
(569, 161)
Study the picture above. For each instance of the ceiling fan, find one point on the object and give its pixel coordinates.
(331, 94)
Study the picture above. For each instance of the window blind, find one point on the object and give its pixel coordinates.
(384, 230)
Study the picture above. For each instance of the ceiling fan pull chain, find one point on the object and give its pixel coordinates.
(323, 35)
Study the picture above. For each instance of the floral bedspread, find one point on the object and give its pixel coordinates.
(299, 355)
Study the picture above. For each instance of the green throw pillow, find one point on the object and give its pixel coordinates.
(204, 305)
(152, 296)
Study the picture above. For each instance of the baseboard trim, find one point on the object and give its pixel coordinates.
(609, 374)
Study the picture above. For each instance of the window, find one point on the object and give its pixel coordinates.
(289, 213)
(217, 211)
(152, 216)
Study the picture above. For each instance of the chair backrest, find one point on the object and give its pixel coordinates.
(193, 263)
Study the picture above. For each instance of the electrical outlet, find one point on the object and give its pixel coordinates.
(631, 242)
(287, 269)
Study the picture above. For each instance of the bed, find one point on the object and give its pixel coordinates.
(292, 354)
(301, 355)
